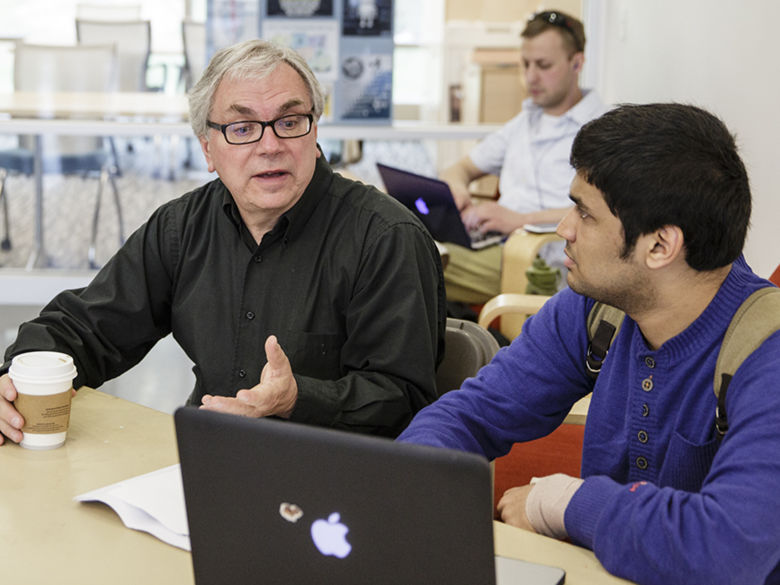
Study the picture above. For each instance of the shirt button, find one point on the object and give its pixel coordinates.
(250, 315)
(649, 362)
(647, 384)
(645, 410)
(641, 463)
(642, 436)
(242, 373)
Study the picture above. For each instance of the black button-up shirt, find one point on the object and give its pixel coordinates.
(348, 280)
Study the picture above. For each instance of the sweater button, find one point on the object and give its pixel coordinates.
(258, 258)
(649, 362)
(645, 409)
(250, 315)
(647, 384)
(242, 373)
(641, 463)
(642, 436)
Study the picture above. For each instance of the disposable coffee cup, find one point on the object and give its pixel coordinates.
(44, 384)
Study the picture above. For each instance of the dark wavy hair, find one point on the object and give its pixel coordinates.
(669, 164)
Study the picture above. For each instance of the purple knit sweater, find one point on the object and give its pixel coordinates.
(664, 501)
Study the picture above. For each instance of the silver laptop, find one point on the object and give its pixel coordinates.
(277, 502)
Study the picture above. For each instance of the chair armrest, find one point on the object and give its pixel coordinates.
(510, 303)
(520, 250)
(484, 188)
(526, 305)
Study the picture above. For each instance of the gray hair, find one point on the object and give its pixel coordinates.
(253, 59)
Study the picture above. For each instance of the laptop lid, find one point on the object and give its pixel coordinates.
(278, 502)
(430, 200)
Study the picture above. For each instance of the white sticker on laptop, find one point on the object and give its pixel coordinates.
(290, 512)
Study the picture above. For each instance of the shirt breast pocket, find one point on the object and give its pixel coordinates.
(686, 463)
(313, 354)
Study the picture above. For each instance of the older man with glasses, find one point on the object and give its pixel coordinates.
(297, 293)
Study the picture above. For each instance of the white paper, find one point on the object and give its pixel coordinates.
(153, 503)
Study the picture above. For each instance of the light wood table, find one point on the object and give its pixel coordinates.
(46, 537)
(581, 565)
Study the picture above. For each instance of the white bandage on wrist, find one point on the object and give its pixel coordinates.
(547, 502)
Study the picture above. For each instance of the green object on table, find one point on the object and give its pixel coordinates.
(542, 280)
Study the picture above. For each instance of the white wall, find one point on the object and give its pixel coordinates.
(717, 54)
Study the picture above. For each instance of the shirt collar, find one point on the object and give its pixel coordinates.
(299, 214)
(583, 111)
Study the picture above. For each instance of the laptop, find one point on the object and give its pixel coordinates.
(431, 200)
(278, 502)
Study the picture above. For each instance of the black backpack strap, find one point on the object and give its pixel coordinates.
(721, 420)
(604, 322)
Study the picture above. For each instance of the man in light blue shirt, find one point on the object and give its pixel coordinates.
(530, 154)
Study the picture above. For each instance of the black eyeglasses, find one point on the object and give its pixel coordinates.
(248, 131)
(560, 20)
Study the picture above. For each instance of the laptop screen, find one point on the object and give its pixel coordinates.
(430, 200)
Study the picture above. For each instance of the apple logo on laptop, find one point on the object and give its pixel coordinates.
(421, 206)
(330, 536)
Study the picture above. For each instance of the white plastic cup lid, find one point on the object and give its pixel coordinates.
(42, 366)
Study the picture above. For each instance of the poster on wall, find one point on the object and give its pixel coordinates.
(300, 8)
(231, 21)
(316, 40)
(347, 43)
(366, 88)
(367, 18)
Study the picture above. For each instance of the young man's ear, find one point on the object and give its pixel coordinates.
(577, 61)
(664, 246)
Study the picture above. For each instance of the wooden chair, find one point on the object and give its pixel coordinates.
(513, 305)
(560, 451)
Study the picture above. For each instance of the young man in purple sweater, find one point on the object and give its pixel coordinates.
(662, 206)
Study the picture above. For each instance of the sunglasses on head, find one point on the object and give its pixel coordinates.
(560, 20)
